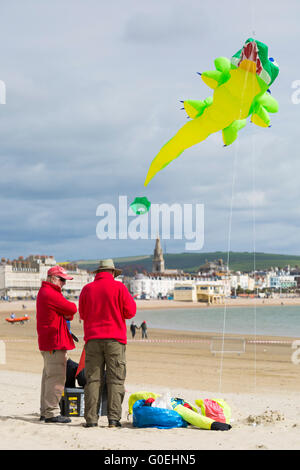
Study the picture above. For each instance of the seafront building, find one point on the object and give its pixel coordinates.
(242, 281)
(208, 291)
(280, 281)
(21, 278)
(203, 286)
(212, 282)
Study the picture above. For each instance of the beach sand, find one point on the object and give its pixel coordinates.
(261, 386)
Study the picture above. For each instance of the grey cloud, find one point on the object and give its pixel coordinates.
(166, 24)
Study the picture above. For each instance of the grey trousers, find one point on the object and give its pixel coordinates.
(103, 354)
(53, 382)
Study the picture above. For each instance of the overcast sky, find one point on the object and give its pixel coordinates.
(92, 94)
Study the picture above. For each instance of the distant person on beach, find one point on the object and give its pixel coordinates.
(54, 339)
(144, 329)
(104, 305)
(133, 328)
(12, 316)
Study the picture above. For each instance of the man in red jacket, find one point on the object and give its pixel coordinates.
(104, 305)
(54, 339)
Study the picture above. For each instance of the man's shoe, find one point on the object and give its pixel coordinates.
(90, 425)
(113, 423)
(58, 419)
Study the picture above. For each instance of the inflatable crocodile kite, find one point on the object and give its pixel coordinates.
(241, 89)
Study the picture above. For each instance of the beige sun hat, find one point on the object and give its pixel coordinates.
(105, 265)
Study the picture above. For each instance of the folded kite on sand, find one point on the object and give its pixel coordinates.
(152, 410)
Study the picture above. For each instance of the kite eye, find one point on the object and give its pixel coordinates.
(271, 59)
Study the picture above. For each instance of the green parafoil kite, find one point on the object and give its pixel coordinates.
(241, 88)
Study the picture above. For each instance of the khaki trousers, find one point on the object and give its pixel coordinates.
(103, 354)
(53, 382)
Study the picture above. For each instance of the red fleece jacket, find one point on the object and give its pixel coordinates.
(51, 308)
(104, 305)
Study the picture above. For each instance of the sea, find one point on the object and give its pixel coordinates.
(267, 320)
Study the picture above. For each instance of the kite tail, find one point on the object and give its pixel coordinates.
(190, 134)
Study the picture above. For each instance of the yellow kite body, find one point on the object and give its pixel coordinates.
(219, 115)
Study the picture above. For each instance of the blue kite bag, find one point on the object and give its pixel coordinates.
(148, 417)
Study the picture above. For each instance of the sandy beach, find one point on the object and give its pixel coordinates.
(17, 306)
(238, 302)
(261, 385)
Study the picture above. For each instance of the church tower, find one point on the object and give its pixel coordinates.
(158, 263)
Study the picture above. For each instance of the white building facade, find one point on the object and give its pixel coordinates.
(280, 281)
(244, 281)
(151, 286)
(22, 278)
(154, 287)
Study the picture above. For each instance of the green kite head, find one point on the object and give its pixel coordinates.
(254, 57)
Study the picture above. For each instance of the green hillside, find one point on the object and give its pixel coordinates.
(190, 262)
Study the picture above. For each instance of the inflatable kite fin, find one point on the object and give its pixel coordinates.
(215, 78)
(194, 108)
(268, 102)
(260, 117)
(230, 133)
(223, 64)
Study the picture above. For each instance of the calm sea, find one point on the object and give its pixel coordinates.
(274, 321)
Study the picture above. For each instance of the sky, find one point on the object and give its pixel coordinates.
(93, 92)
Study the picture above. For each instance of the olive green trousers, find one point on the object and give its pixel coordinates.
(100, 355)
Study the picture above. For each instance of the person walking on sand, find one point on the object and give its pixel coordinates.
(144, 329)
(104, 305)
(133, 328)
(54, 339)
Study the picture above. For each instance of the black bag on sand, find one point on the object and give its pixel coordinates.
(72, 401)
(71, 375)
